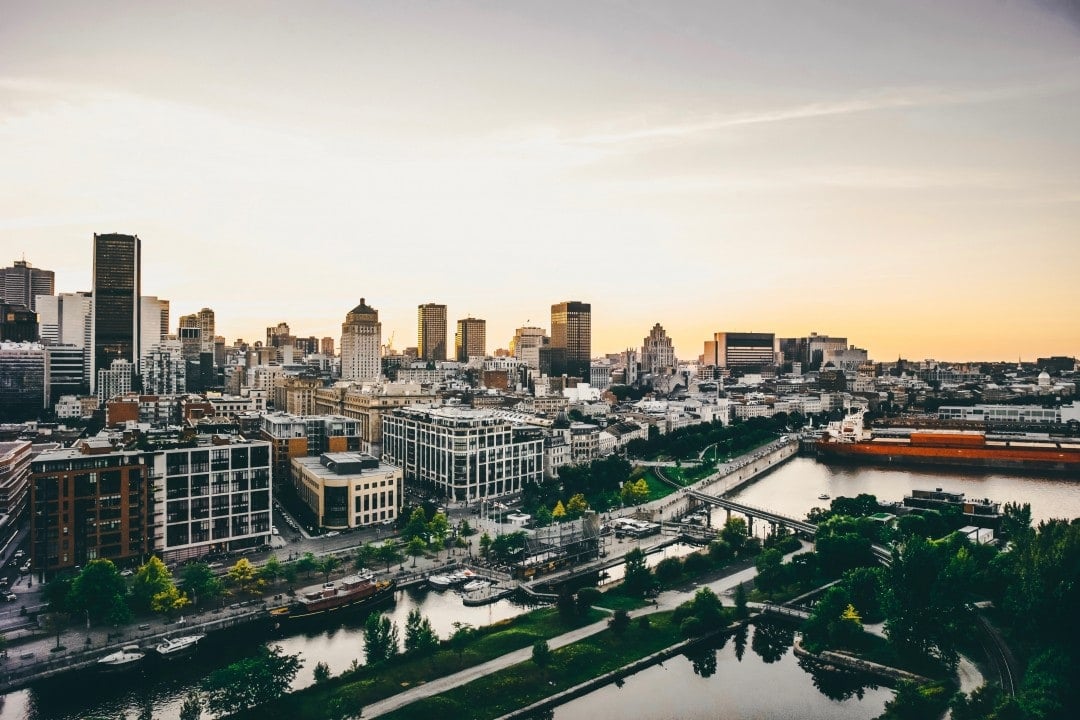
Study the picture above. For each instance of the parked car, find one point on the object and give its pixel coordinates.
(128, 572)
(25, 568)
(10, 597)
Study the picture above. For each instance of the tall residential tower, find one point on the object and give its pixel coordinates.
(470, 340)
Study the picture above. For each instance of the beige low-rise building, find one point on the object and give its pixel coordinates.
(348, 490)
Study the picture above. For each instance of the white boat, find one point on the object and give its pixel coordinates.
(823, 496)
(475, 585)
(126, 657)
(171, 648)
(440, 582)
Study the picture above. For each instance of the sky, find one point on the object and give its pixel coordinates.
(905, 174)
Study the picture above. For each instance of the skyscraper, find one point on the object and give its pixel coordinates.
(21, 283)
(657, 352)
(116, 312)
(431, 332)
(470, 340)
(361, 337)
(206, 324)
(571, 339)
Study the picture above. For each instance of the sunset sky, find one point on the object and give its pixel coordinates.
(906, 174)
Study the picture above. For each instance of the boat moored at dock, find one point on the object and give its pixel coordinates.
(351, 592)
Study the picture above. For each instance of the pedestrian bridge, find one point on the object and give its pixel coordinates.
(883, 554)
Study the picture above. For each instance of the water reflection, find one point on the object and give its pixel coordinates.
(772, 640)
(716, 679)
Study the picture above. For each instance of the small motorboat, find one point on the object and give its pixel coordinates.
(474, 585)
(440, 582)
(823, 496)
(126, 657)
(171, 648)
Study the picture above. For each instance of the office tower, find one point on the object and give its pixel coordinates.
(326, 347)
(190, 335)
(22, 283)
(279, 336)
(163, 369)
(431, 332)
(64, 372)
(529, 344)
(18, 323)
(151, 331)
(571, 339)
(750, 351)
(116, 313)
(361, 336)
(470, 340)
(205, 319)
(657, 352)
(22, 381)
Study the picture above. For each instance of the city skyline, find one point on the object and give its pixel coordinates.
(902, 174)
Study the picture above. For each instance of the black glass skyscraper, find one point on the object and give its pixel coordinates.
(117, 286)
(571, 339)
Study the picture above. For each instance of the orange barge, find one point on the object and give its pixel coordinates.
(848, 441)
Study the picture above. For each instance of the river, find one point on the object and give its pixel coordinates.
(750, 687)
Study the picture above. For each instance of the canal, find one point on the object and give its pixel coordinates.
(745, 682)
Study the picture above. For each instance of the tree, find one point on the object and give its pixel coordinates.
(367, 554)
(485, 544)
(55, 623)
(543, 516)
(327, 565)
(925, 609)
(734, 533)
(558, 513)
(271, 570)
(669, 570)
(541, 656)
(439, 529)
(564, 603)
(635, 492)
(307, 564)
(199, 581)
(245, 576)
(192, 707)
(417, 526)
(416, 548)
(741, 611)
(459, 639)
(420, 637)
(586, 598)
(321, 672)
(576, 506)
(389, 554)
(380, 638)
(169, 600)
(256, 680)
(637, 577)
(619, 622)
(57, 592)
(151, 580)
(465, 529)
(97, 589)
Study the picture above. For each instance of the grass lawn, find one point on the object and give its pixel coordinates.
(518, 686)
(351, 691)
(657, 489)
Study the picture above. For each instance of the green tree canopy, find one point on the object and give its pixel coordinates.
(97, 589)
(380, 638)
(253, 681)
(151, 580)
(200, 582)
(420, 638)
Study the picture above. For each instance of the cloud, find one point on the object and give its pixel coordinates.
(893, 99)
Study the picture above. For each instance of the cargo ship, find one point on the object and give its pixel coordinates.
(849, 441)
(351, 592)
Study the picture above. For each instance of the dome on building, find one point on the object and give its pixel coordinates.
(1044, 379)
